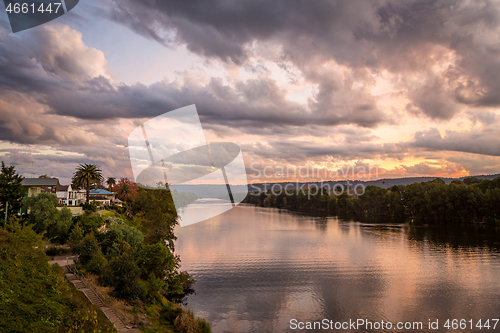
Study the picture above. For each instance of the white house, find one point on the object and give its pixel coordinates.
(69, 197)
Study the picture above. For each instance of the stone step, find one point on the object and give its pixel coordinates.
(110, 312)
(71, 276)
(96, 302)
(78, 282)
(94, 299)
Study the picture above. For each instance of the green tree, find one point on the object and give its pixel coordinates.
(88, 222)
(179, 285)
(123, 274)
(471, 180)
(90, 254)
(75, 237)
(88, 249)
(111, 181)
(64, 223)
(156, 259)
(129, 234)
(160, 217)
(86, 175)
(45, 217)
(42, 211)
(11, 191)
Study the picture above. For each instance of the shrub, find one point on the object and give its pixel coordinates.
(88, 249)
(123, 274)
(179, 286)
(56, 251)
(43, 212)
(153, 289)
(97, 264)
(88, 222)
(64, 224)
(129, 234)
(182, 320)
(89, 206)
(75, 237)
(156, 259)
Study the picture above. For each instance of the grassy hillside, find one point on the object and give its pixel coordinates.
(35, 296)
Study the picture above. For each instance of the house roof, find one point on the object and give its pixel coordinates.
(62, 188)
(100, 191)
(117, 200)
(40, 182)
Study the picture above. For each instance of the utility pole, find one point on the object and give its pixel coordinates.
(6, 211)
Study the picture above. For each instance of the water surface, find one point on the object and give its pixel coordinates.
(258, 268)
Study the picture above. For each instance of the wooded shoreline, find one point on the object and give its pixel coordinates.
(472, 201)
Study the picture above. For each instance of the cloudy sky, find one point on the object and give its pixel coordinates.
(411, 87)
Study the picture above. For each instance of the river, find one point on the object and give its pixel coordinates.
(259, 268)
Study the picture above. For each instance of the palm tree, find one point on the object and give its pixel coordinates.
(111, 181)
(86, 175)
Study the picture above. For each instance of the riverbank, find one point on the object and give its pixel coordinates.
(470, 201)
(129, 251)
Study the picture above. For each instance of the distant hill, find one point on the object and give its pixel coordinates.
(219, 191)
(384, 183)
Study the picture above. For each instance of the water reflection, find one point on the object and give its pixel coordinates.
(257, 268)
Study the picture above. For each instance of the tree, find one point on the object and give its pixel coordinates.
(126, 190)
(45, 177)
(43, 212)
(160, 217)
(11, 190)
(123, 274)
(64, 224)
(129, 234)
(88, 222)
(86, 175)
(111, 182)
(88, 249)
(156, 259)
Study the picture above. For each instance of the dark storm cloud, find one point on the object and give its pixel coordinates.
(14, 157)
(258, 102)
(485, 141)
(479, 164)
(402, 37)
(485, 118)
(432, 99)
(298, 151)
(223, 29)
(65, 77)
(30, 163)
(356, 144)
(425, 168)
